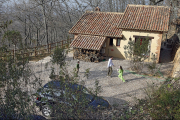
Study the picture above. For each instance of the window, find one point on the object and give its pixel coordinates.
(111, 42)
(143, 45)
(118, 42)
(104, 45)
(102, 51)
(140, 40)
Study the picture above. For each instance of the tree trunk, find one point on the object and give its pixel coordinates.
(25, 33)
(45, 20)
(117, 5)
(37, 37)
(110, 5)
(30, 36)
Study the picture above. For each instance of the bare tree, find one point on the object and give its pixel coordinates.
(45, 21)
(155, 2)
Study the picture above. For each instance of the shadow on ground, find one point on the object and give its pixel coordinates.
(128, 80)
(165, 56)
(100, 74)
(117, 103)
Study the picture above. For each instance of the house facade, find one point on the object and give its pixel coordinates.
(107, 33)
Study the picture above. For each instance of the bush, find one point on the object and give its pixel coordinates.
(59, 56)
(162, 102)
(137, 52)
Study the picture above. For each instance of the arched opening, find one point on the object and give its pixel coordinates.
(175, 45)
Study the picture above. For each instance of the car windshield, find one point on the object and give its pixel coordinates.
(53, 84)
(84, 90)
(74, 87)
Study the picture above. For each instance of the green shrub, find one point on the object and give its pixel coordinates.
(164, 105)
(163, 102)
(137, 51)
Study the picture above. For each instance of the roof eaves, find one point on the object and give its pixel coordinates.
(102, 45)
(90, 48)
(96, 34)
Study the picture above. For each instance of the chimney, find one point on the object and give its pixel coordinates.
(97, 9)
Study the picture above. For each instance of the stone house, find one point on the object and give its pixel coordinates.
(98, 34)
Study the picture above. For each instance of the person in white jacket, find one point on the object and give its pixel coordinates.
(110, 64)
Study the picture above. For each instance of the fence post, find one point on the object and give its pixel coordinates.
(13, 54)
(62, 43)
(35, 51)
(67, 42)
(50, 47)
(47, 47)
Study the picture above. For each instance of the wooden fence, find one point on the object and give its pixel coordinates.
(38, 50)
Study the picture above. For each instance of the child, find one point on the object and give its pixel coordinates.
(77, 67)
(121, 74)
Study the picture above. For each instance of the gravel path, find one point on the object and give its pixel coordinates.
(114, 90)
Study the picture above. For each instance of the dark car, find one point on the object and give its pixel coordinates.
(57, 92)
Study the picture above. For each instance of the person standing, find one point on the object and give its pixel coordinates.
(110, 64)
(121, 74)
(77, 67)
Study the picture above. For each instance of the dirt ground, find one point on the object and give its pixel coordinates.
(113, 89)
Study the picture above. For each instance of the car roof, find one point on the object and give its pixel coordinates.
(57, 83)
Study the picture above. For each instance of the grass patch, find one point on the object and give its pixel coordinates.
(145, 74)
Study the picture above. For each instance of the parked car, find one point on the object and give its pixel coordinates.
(56, 92)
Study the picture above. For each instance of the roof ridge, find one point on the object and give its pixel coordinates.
(148, 5)
(103, 12)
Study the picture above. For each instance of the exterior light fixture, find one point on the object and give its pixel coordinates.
(130, 38)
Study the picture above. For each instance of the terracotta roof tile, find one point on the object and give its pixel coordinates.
(88, 42)
(145, 17)
(98, 23)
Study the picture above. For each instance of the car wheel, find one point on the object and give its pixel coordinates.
(47, 110)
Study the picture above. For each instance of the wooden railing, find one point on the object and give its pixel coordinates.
(38, 50)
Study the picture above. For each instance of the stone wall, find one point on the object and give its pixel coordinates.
(176, 68)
